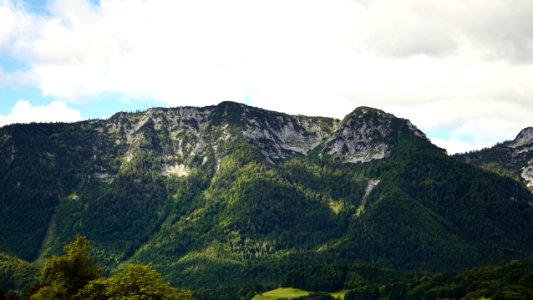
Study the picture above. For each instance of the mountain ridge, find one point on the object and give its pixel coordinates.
(230, 193)
(513, 158)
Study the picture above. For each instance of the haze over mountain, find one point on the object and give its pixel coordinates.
(233, 194)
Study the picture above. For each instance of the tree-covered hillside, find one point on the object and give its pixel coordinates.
(363, 282)
(232, 195)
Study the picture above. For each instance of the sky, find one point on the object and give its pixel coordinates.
(461, 71)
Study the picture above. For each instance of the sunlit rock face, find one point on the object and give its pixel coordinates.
(365, 135)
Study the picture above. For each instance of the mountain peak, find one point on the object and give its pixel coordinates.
(361, 110)
(525, 137)
(368, 134)
(228, 103)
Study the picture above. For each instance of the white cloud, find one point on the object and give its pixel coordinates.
(13, 23)
(440, 63)
(24, 112)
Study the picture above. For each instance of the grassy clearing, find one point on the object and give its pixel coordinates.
(290, 293)
(281, 293)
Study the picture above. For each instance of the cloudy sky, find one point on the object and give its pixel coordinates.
(462, 71)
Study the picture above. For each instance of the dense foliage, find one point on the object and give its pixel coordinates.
(510, 281)
(62, 277)
(15, 275)
(134, 282)
(330, 278)
(75, 276)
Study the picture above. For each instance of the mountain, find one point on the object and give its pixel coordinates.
(511, 158)
(231, 195)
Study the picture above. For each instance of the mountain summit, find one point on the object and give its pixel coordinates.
(232, 194)
(524, 138)
(367, 134)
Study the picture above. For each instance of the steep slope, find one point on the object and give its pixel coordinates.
(367, 134)
(512, 158)
(231, 194)
(437, 213)
(114, 164)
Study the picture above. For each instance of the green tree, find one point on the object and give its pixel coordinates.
(62, 277)
(135, 282)
(75, 276)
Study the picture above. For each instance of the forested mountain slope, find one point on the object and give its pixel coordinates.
(511, 158)
(232, 194)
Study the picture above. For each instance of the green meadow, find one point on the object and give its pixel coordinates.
(290, 293)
